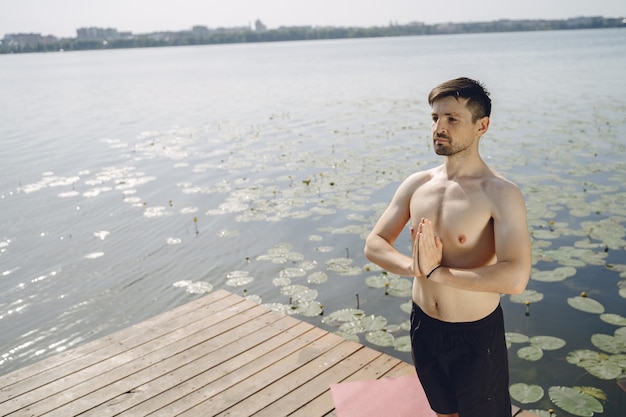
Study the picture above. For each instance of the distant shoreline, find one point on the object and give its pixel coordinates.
(99, 38)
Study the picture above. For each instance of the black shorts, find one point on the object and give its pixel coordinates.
(463, 367)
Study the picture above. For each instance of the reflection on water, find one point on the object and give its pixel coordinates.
(263, 176)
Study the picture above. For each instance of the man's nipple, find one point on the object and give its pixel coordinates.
(462, 239)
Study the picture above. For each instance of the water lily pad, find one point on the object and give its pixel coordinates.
(292, 272)
(377, 281)
(530, 353)
(366, 324)
(299, 293)
(324, 249)
(407, 307)
(400, 287)
(608, 343)
(516, 337)
(281, 281)
(525, 393)
(238, 278)
(309, 308)
(605, 369)
(559, 274)
(586, 304)
(343, 266)
(575, 402)
(608, 231)
(280, 254)
(621, 332)
(594, 392)
(547, 342)
(615, 319)
(308, 265)
(527, 295)
(598, 364)
(542, 413)
(402, 344)
(254, 298)
(393, 328)
(317, 278)
(619, 359)
(583, 357)
(199, 287)
(341, 316)
(281, 308)
(380, 338)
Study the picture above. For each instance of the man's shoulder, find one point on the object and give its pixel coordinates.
(504, 194)
(497, 183)
(422, 176)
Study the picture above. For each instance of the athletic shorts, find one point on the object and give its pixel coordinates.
(463, 367)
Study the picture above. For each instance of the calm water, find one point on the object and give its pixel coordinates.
(133, 181)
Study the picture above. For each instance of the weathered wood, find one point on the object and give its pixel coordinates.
(378, 368)
(219, 355)
(50, 369)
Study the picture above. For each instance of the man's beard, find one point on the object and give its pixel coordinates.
(446, 149)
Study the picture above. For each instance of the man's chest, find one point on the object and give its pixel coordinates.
(462, 215)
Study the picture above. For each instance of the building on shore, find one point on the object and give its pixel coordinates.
(27, 40)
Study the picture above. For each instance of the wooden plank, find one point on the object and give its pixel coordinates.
(169, 387)
(303, 374)
(138, 331)
(227, 377)
(302, 390)
(323, 404)
(401, 369)
(94, 385)
(254, 383)
(104, 362)
(219, 355)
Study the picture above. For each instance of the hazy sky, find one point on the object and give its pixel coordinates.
(62, 17)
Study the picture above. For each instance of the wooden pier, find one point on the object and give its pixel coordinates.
(219, 355)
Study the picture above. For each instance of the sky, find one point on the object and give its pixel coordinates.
(61, 18)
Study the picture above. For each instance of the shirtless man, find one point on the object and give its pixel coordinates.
(470, 245)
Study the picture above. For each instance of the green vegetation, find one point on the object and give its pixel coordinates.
(244, 35)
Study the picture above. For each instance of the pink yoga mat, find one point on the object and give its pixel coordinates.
(397, 397)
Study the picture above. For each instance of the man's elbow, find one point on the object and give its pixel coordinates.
(518, 288)
(368, 250)
(520, 281)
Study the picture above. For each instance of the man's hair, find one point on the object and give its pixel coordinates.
(477, 96)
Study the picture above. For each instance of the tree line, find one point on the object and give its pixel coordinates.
(212, 37)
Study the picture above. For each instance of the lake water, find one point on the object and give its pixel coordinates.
(133, 181)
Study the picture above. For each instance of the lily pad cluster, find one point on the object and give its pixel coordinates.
(393, 284)
(578, 401)
(609, 362)
(353, 322)
(537, 344)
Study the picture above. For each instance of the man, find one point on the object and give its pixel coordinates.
(470, 245)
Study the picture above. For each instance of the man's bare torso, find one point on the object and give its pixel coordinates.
(461, 213)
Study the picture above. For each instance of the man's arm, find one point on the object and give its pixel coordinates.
(379, 246)
(511, 272)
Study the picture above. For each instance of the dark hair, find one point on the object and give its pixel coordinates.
(477, 96)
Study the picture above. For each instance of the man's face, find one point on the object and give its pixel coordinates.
(452, 126)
